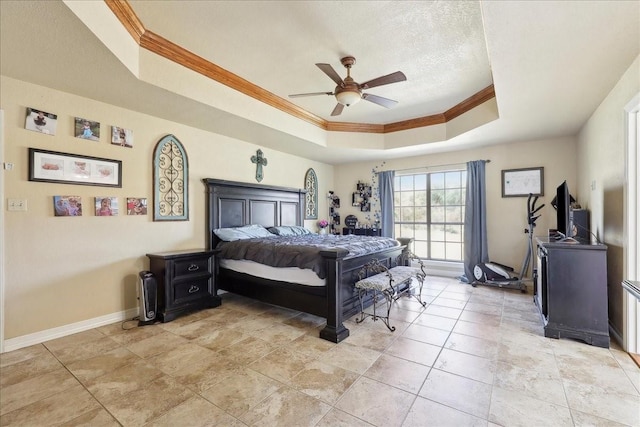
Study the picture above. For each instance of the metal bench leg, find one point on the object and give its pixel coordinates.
(389, 299)
(420, 284)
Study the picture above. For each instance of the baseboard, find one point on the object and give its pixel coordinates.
(62, 331)
(443, 268)
(613, 333)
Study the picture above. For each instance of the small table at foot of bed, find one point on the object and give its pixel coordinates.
(386, 283)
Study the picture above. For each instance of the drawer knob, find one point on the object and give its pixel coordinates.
(193, 289)
(193, 267)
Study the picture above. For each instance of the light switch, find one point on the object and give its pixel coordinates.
(17, 204)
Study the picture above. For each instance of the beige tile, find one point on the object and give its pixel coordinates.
(207, 373)
(463, 394)
(375, 337)
(466, 365)
(149, 402)
(73, 340)
(173, 360)
(624, 360)
(350, 357)
(323, 381)
(195, 412)
(494, 310)
(53, 410)
(414, 351)
(279, 334)
(478, 330)
(426, 334)
(448, 302)
(400, 373)
(95, 418)
(311, 345)
(130, 335)
(281, 364)
(122, 381)
(20, 355)
(525, 356)
(278, 314)
(609, 404)
(412, 304)
(80, 349)
(580, 419)
(286, 407)
(225, 316)
(248, 350)
(436, 310)
(306, 321)
(437, 322)
(613, 379)
(426, 412)
(24, 393)
(460, 295)
(338, 418)
(28, 368)
(159, 343)
(96, 366)
(239, 392)
(376, 403)
(220, 338)
(532, 382)
(472, 345)
(517, 409)
(197, 328)
(485, 319)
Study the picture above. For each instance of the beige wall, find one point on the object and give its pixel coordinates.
(601, 165)
(506, 217)
(62, 270)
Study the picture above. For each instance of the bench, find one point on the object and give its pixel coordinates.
(386, 282)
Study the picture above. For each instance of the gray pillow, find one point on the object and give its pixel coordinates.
(240, 233)
(289, 230)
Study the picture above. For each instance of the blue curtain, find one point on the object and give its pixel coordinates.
(385, 187)
(475, 219)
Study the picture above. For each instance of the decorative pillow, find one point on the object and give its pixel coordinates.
(289, 230)
(239, 233)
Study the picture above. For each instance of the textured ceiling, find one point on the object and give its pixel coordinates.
(439, 46)
(552, 62)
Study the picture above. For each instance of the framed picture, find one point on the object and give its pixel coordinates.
(121, 136)
(522, 182)
(136, 206)
(67, 205)
(87, 129)
(52, 166)
(106, 206)
(41, 121)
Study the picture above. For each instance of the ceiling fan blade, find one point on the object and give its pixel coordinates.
(338, 110)
(385, 102)
(396, 77)
(329, 71)
(300, 95)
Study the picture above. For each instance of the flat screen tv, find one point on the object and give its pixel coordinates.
(563, 211)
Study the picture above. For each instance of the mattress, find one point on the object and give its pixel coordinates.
(301, 276)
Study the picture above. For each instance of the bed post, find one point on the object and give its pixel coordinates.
(334, 331)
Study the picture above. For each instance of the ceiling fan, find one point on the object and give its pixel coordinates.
(349, 92)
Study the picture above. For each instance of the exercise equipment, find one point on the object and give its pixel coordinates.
(496, 274)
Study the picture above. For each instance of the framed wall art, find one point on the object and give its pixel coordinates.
(170, 181)
(41, 121)
(522, 182)
(64, 168)
(86, 129)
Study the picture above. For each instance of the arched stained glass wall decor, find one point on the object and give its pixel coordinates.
(311, 198)
(170, 181)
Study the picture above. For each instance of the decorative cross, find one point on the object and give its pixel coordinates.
(259, 161)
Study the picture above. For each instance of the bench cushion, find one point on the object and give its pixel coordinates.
(379, 282)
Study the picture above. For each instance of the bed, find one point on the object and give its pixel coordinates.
(235, 204)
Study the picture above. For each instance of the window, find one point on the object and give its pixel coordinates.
(429, 207)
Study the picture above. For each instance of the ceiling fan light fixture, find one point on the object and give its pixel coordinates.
(348, 97)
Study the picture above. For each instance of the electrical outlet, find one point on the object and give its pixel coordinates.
(17, 204)
(593, 184)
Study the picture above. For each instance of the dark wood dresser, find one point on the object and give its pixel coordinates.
(185, 281)
(362, 231)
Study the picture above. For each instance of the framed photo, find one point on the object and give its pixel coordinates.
(522, 182)
(136, 206)
(41, 121)
(67, 205)
(121, 136)
(52, 166)
(106, 206)
(87, 129)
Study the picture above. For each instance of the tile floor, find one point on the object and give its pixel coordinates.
(473, 356)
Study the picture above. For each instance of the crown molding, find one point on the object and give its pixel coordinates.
(159, 45)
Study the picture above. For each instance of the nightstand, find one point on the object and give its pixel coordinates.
(185, 282)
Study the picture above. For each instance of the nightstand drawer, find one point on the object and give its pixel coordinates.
(191, 289)
(191, 266)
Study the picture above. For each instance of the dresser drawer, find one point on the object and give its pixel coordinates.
(191, 289)
(191, 266)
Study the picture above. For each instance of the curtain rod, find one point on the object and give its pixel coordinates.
(435, 166)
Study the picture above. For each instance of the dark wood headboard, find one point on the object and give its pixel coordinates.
(234, 204)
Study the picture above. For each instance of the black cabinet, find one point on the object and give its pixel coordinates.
(571, 291)
(362, 231)
(185, 282)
